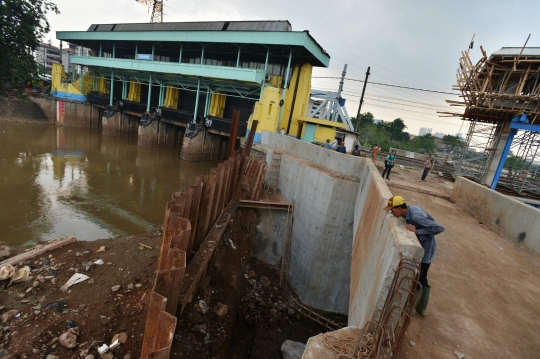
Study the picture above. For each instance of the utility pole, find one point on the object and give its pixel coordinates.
(362, 100)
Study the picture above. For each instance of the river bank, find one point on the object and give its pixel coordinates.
(17, 107)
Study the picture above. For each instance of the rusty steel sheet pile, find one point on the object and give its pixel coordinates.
(194, 221)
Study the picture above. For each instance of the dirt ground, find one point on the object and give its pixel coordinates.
(95, 309)
(484, 297)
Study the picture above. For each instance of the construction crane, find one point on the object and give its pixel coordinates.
(157, 9)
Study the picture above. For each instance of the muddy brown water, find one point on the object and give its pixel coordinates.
(60, 181)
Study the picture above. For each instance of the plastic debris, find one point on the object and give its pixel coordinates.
(76, 278)
(6, 271)
(102, 349)
(21, 274)
(70, 324)
(99, 262)
(115, 344)
(101, 249)
(58, 305)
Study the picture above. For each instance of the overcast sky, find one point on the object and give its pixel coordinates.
(415, 43)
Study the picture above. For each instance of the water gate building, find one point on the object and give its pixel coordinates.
(186, 79)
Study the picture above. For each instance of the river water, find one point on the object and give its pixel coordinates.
(61, 181)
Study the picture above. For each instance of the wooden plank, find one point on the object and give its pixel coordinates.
(176, 259)
(156, 305)
(222, 189)
(198, 264)
(37, 252)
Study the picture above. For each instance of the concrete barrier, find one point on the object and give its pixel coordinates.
(338, 220)
(505, 215)
(380, 241)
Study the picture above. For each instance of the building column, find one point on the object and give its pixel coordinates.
(497, 157)
(180, 56)
(124, 88)
(207, 103)
(238, 57)
(197, 100)
(111, 97)
(149, 94)
(284, 92)
(497, 163)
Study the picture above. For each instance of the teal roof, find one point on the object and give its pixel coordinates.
(301, 42)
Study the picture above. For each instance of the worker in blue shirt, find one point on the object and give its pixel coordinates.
(424, 226)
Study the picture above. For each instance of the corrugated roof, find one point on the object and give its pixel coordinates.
(197, 26)
(515, 51)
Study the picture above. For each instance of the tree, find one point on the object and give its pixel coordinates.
(395, 128)
(366, 119)
(22, 24)
(423, 144)
(453, 142)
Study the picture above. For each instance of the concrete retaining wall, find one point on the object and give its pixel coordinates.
(380, 241)
(338, 220)
(68, 113)
(505, 215)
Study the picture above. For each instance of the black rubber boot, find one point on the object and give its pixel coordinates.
(421, 308)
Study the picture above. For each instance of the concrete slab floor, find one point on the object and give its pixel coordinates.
(485, 290)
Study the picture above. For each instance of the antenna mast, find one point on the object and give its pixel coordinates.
(157, 9)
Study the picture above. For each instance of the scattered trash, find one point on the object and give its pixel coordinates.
(412, 343)
(21, 274)
(459, 355)
(58, 305)
(115, 344)
(6, 271)
(232, 244)
(292, 350)
(76, 278)
(101, 249)
(201, 307)
(53, 272)
(141, 246)
(102, 349)
(70, 324)
(99, 262)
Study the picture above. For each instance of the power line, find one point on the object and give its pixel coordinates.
(381, 84)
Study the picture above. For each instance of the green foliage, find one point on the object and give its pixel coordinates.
(391, 134)
(366, 120)
(422, 144)
(516, 163)
(453, 142)
(22, 24)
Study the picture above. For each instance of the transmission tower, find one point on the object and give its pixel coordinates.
(156, 6)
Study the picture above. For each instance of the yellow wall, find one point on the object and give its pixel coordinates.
(324, 133)
(267, 111)
(134, 91)
(275, 81)
(302, 98)
(171, 97)
(102, 85)
(217, 105)
(58, 74)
